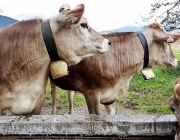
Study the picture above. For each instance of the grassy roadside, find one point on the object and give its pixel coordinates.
(147, 96)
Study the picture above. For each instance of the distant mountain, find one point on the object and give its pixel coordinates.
(4, 21)
(125, 29)
(176, 30)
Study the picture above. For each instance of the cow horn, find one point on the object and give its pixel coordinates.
(170, 39)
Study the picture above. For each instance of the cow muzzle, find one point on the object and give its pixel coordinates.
(175, 62)
(105, 46)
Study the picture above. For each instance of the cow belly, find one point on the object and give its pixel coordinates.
(108, 97)
(22, 102)
(22, 105)
(111, 95)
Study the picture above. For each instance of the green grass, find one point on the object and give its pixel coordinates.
(152, 96)
(148, 96)
(62, 98)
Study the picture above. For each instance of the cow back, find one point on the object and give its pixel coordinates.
(22, 49)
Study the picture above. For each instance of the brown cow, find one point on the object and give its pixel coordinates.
(175, 105)
(104, 77)
(24, 58)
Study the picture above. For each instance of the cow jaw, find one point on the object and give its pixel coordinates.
(171, 62)
(101, 47)
(175, 62)
(166, 58)
(104, 47)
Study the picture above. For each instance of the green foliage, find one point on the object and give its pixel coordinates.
(62, 98)
(152, 96)
(167, 13)
(149, 103)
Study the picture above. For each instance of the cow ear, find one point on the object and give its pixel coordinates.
(74, 15)
(167, 37)
(174, 37)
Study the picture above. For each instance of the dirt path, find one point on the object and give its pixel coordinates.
(82, 110)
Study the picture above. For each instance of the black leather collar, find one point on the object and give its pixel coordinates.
(49, 40)
(145, 46)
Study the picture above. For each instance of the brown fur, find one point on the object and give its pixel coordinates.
(25, 41)
(157, 26)
(175, 105)
(25, 62)
(112, 71)
(177, 81)
(23, 59)
(177, 87)
(105, 64)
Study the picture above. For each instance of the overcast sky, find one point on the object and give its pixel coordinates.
(101, 14)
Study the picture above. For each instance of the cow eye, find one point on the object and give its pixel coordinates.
(84, 25)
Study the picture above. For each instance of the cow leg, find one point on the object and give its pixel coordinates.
(70, 100)
(111, 109)
(54, 97)
(177, 136)
(1, 112)
(93, 103)
(39, 104)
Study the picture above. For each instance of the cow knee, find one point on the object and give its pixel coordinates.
(111, 109)
(1, 112)
(93, 104)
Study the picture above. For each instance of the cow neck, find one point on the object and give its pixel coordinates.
(49, 40)
(145, 47)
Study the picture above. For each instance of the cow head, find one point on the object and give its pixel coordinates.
(160, 52)
(74, 38)
(175, 105)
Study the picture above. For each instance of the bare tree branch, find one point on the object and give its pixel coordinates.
(170, 17)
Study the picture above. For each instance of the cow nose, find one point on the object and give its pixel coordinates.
(109, 43)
